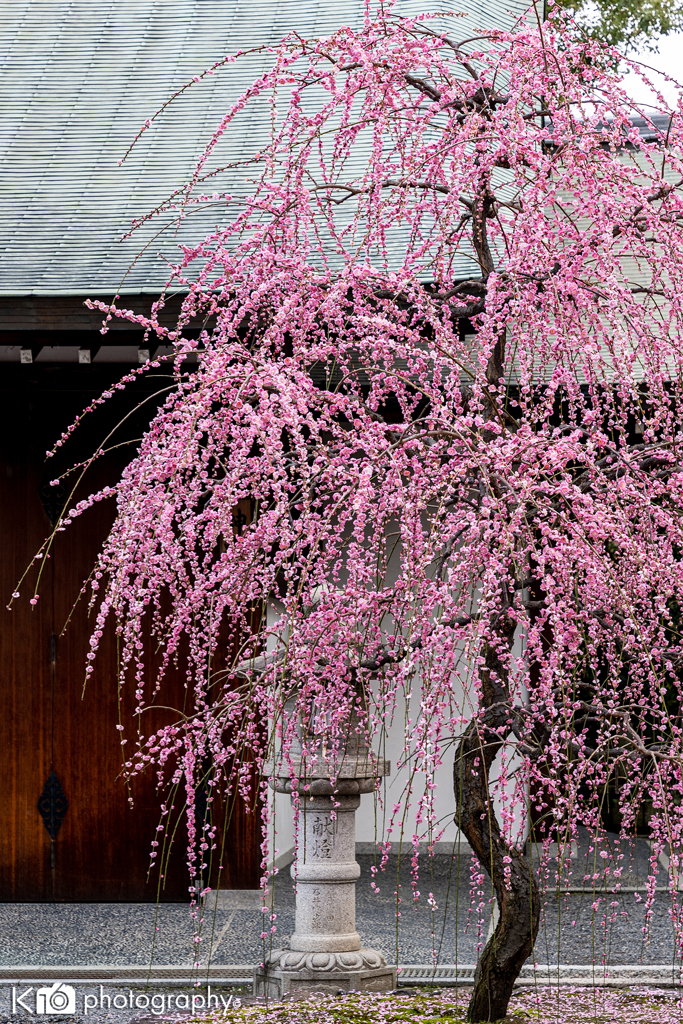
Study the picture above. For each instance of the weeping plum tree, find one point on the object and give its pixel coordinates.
(439, 352)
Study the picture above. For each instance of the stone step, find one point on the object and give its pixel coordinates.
(445, 975)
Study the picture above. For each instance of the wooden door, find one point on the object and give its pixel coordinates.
(49, 723)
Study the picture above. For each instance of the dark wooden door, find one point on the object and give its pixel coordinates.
(49, 722)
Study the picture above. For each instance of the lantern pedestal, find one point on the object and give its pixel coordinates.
(325, 953)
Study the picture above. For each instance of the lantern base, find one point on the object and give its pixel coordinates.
(291, 973)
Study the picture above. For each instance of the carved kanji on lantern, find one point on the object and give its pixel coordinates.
(323, 836)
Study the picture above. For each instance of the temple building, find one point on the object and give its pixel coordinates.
(79, 80)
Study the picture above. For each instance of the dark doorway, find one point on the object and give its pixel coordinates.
(99, 848)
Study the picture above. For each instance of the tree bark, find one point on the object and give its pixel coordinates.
(518, 903)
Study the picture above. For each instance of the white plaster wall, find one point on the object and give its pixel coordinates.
(372, 819)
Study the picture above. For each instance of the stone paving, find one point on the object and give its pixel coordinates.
(111, 934)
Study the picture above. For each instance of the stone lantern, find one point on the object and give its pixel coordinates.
(325, 952)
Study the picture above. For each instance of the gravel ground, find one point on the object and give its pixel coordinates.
(140, 934)
(81, 934)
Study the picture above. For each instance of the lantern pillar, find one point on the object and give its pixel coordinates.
(325, 952)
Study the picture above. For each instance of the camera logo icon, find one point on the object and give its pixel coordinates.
(58, 998)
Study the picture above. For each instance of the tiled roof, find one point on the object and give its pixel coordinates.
(77, 80)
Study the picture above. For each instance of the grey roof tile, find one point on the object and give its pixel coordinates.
(77, 80)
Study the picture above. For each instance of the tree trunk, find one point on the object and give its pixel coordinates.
(514, 937)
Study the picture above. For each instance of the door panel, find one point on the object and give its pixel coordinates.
(48, 721)
(25, 699)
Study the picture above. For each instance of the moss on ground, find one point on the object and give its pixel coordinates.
(528, 1006)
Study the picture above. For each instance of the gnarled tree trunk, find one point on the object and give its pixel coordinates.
(518, 903)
